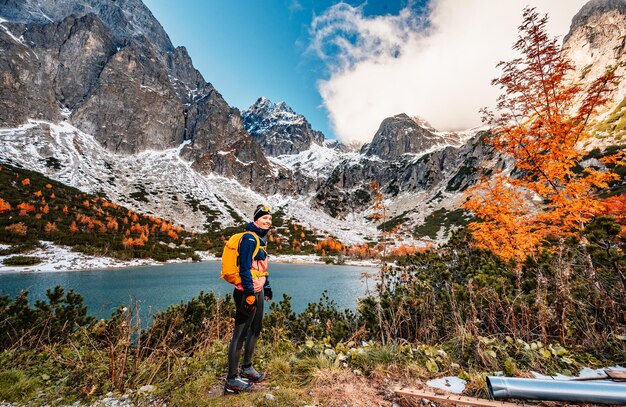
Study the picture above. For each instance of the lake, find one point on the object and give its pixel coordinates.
(157, 287)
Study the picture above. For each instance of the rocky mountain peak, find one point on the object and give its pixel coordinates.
(279, 129)
(283, 107)
(402, 134)
(592, 9)
(265, 107)
(597, 40)
(125, 18)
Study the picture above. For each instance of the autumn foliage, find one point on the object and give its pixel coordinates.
(88, 223)
(330, 245)
(25, 208)
(615, 207)
(17, 228)
(4, 206)
(541, 118)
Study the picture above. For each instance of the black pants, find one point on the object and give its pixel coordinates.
(247, 329)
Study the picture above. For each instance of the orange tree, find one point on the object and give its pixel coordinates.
(539, 120)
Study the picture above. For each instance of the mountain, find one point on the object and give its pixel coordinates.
(100, 99)
(401, 134)
(278, 129)
(109, 69)
(416, 180)
(595, 41)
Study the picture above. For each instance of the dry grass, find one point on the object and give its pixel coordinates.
(336, 387)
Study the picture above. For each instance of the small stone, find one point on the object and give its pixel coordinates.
(330, 353)
(148, 388)
(269, 396)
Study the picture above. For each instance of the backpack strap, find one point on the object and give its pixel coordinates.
(256, 249)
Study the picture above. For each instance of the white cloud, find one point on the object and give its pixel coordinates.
(438, 65)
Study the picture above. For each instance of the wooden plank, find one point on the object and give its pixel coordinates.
(453, 398)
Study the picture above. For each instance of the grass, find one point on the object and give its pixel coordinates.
(296, 376)
(15, 385)
(615, 123)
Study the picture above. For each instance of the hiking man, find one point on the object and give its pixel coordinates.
(251, 289)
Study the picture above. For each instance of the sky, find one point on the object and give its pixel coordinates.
(346, 66)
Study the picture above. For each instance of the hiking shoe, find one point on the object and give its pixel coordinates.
(236, 385)
(251, 374)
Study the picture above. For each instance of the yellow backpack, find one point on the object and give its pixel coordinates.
(230, 258)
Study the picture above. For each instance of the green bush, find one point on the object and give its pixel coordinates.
(200, 320)
(47, 322)
(558, 297)
(21, 261)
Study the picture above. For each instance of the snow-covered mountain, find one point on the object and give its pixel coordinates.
(155, 182)
(95, 95)
(109, 69)
(278, 129)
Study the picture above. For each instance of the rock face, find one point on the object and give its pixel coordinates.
(451, 168)
(125, 18)
(73, 52)
(278, 129)
(109, 68)
(133, 107)
(401, 134)
(588, 15)
(25, 89)
(596, 40)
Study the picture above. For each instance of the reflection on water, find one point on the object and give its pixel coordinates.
(157, 287)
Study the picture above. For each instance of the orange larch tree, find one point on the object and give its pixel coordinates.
(24, 208)
(541, 118)
(4, 205)
(50, 227)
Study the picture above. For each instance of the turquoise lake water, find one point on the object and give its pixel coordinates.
(157, 287)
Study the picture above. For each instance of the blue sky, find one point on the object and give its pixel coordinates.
(348, 65)
(252, 48)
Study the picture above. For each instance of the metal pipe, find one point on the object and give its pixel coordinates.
(602, 392)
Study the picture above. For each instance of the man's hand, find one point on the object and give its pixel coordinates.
(249, 304)
(267, 292)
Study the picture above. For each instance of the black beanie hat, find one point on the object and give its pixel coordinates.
(261, 210)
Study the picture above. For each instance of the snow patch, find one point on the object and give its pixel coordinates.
(61, 258)
(318, 161)
(65, 112)
(10, 34)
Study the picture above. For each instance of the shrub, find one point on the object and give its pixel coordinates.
(47, 322)
(21, 261)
